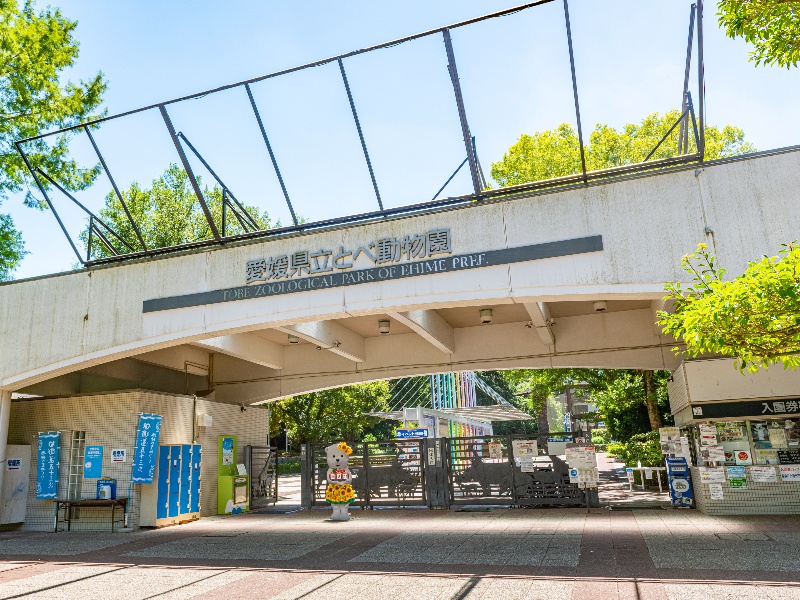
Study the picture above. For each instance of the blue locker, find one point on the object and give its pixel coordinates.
(194, 480)
(186, 475)
(162, 495)
(174, 481)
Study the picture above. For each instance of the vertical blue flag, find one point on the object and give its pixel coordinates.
(48, 454)
(144, 461)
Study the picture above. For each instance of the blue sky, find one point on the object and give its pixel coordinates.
(514, 72)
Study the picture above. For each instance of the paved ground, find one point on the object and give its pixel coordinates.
(504, 553)
(632, 548)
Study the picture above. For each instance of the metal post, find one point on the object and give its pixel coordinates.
(360, 133)
(224, 210)
(116, 189)
(5, 418)
(462, 115)
(575, 89)
(89, 240)
(49, 203)
(269, 149)
(187, 167)
(701, 81)
(252, 222)
(683, 138)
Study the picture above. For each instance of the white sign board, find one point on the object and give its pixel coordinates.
(715, 489)
(119, 455)
(712, 475)
(790, 473)
(582, 457)
(763, 474)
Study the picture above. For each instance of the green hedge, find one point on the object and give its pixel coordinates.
(289, 467)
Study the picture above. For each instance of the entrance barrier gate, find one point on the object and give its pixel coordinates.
(480, 470)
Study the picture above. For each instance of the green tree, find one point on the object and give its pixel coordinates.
(35, 47)
(628, 404)
(771, 26)
(167, 214)
(333, 414)
(755, 317)
(555, 153)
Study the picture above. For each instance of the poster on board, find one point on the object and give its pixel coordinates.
(761, 474)
(93, 462)
(737, 477)
(712, 475)
(715, 489)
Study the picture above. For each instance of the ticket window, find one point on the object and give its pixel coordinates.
(772, 435)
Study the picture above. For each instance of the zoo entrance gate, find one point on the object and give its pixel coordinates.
(443, 472)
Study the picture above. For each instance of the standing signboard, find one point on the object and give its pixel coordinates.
(144, 461)
(680, 482)
(48, 452)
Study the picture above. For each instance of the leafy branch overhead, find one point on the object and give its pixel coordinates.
(755, 317)
(35, 48)
(772, 27)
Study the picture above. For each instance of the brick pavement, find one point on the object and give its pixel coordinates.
(505, 553)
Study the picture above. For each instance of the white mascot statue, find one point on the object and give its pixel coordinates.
(339, 493)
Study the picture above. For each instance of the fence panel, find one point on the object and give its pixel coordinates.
(261, 463)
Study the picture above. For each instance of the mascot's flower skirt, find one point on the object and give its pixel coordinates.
(337, 493)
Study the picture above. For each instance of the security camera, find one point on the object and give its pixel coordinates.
(600, 306)
(486, 316)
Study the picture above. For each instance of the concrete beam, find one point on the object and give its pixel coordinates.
(541, 321)
(429, 325)
(246, 346)
(330, 336)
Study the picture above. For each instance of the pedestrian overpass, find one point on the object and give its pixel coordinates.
(563, 277)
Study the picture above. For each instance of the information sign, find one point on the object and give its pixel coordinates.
(495, 450)
(712, 475)
(404, 434)
(48, 453)
(93, 462)
(712, 454)
(119, 455)
(789, 457)
(737, 477)
(715, 489)
(147, 435)
(763, 474)
(525, 448)
(790, 472)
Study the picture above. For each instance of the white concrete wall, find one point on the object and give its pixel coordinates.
(59, 324)
(110, 420)
(718, 379)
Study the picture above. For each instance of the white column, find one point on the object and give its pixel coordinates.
(5, 416)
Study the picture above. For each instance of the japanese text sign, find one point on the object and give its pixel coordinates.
(48, 454)
(93, 462)
(144, 462)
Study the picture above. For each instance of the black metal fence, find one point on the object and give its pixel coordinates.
(480, 470)
(261, 462)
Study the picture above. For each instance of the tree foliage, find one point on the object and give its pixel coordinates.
(771, 26)
(331, 414)
(35, 47)
(755, 317)
(11, 247)
(555, 153)
(167, 214)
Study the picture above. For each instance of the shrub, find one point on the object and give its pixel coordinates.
(616, 449)
(290, 467)
(601, 436)
(644, 447)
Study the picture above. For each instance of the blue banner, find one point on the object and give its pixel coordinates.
(144, 462)
(48, 453)
(93, 462)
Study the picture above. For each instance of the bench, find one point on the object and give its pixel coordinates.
(68, 505)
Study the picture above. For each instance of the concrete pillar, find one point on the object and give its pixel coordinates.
(5, 416)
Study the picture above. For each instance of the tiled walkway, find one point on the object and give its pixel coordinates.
(409, 554)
